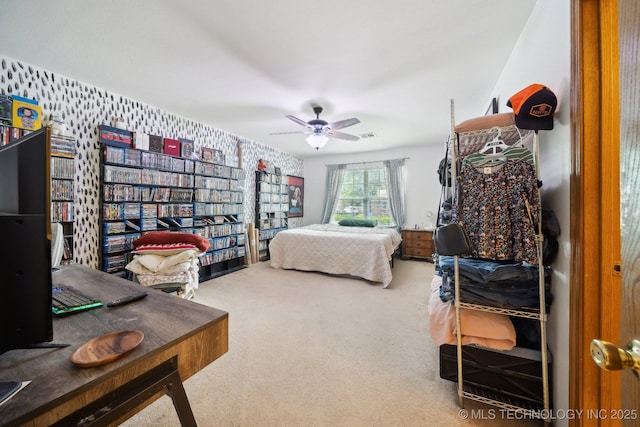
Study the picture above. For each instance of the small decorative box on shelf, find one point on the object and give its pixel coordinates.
(171, 147)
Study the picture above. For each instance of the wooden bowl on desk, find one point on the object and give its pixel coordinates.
(106, 349)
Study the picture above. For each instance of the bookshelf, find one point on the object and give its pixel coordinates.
(272, 206)
(219, 216)
(63, 153)
(148, 191)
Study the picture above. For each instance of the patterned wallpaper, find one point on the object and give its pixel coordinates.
(83, 107)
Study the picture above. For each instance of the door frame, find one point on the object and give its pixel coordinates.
(595, 279)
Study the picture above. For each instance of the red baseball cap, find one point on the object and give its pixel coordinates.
(533, 107)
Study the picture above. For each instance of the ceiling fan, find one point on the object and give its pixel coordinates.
(320, 131)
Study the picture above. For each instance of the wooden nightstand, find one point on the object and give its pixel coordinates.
(417, 243)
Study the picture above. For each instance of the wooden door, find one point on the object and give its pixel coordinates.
(629, 23)
(605, 201)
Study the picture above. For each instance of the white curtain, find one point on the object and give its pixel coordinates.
(395, 186)
(335, 176)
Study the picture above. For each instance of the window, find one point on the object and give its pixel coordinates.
(364, 195)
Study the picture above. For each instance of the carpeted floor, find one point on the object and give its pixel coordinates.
(308, 349)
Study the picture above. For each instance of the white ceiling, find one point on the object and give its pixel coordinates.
(242, 65)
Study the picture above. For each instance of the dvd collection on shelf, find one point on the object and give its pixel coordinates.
(9, 134)
(217, 196)
(148, 191)
(133, 210)
(62, 146)
(272, 205)
(62, 212)
(62, 169)
(173, 179)
(62, 189)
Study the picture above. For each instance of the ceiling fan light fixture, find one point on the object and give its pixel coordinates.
(317, 141)
(320, 131)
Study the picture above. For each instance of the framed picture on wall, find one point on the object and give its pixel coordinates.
(218, 157)
(207, 154)
(296, 196)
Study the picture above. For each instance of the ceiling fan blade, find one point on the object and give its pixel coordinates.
(341, 135)
(292, 133)
(344, 123)
(298, 121)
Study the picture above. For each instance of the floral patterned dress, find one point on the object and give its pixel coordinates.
(498, 208)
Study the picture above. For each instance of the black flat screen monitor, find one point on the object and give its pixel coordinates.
(25, 250)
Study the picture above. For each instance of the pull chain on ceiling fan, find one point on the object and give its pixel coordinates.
(320, 131)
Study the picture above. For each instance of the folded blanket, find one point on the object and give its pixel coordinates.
(182, 267)
(187, 278)
(490, 330)
(148, 264)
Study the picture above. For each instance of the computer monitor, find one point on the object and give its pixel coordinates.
(25, 250)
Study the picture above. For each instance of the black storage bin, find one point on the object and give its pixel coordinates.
(511, 376)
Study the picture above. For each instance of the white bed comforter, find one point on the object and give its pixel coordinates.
(357, 251)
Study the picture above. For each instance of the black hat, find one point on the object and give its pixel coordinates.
(533, 107)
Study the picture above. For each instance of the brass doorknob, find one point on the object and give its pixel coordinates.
(610, 357)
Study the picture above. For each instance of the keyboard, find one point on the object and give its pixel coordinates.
(67, 299)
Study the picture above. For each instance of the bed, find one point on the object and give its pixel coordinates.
(364, 252)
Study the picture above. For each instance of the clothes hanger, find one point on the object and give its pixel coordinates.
(496, 145)
(517, 151)
(493, 151)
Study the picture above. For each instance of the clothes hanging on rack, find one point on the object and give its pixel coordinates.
(498, 203)
(498, 211)
(511, 153)
(473, 141)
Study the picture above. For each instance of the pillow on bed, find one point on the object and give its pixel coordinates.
(166, 237)
(355, 222)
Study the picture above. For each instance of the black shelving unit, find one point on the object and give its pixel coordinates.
(219, 216)
(63, 152)
(147, 191)
(272, 206)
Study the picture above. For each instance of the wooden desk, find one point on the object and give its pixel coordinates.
(191, 334)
